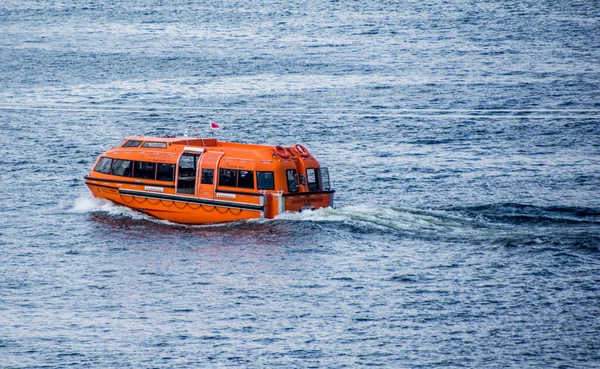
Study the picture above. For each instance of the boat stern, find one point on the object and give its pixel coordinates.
(280, 203)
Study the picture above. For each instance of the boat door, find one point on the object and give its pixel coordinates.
(209, 164)
(187, 169)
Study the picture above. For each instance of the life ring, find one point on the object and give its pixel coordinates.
(301, 150)
(281, 152)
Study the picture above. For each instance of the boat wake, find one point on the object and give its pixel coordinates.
(501, 225)
(376, 218)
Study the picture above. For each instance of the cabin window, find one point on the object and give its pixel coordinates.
(208, 176)
(122, 168)
(227, 177)
(132, 143)
(155, 145)
(144, 170)
(313, 181)
(103, 165)
(164, 172)
(246, 179)
(265, 180)
(292, 180)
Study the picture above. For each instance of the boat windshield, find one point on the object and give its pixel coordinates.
(119, 144)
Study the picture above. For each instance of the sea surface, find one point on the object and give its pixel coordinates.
(462, 138)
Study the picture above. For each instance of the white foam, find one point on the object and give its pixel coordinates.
(86, 203)
(323, 214)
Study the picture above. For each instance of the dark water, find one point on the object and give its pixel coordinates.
(463, 139)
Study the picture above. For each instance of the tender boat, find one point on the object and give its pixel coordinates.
(195, 180)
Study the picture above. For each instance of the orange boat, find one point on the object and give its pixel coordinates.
(202, 180)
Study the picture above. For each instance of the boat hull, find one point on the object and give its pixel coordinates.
(177, 209)
(193, 210)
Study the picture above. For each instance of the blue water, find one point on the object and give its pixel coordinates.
(463, 139)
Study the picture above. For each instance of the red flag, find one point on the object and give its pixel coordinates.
(214, 125)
